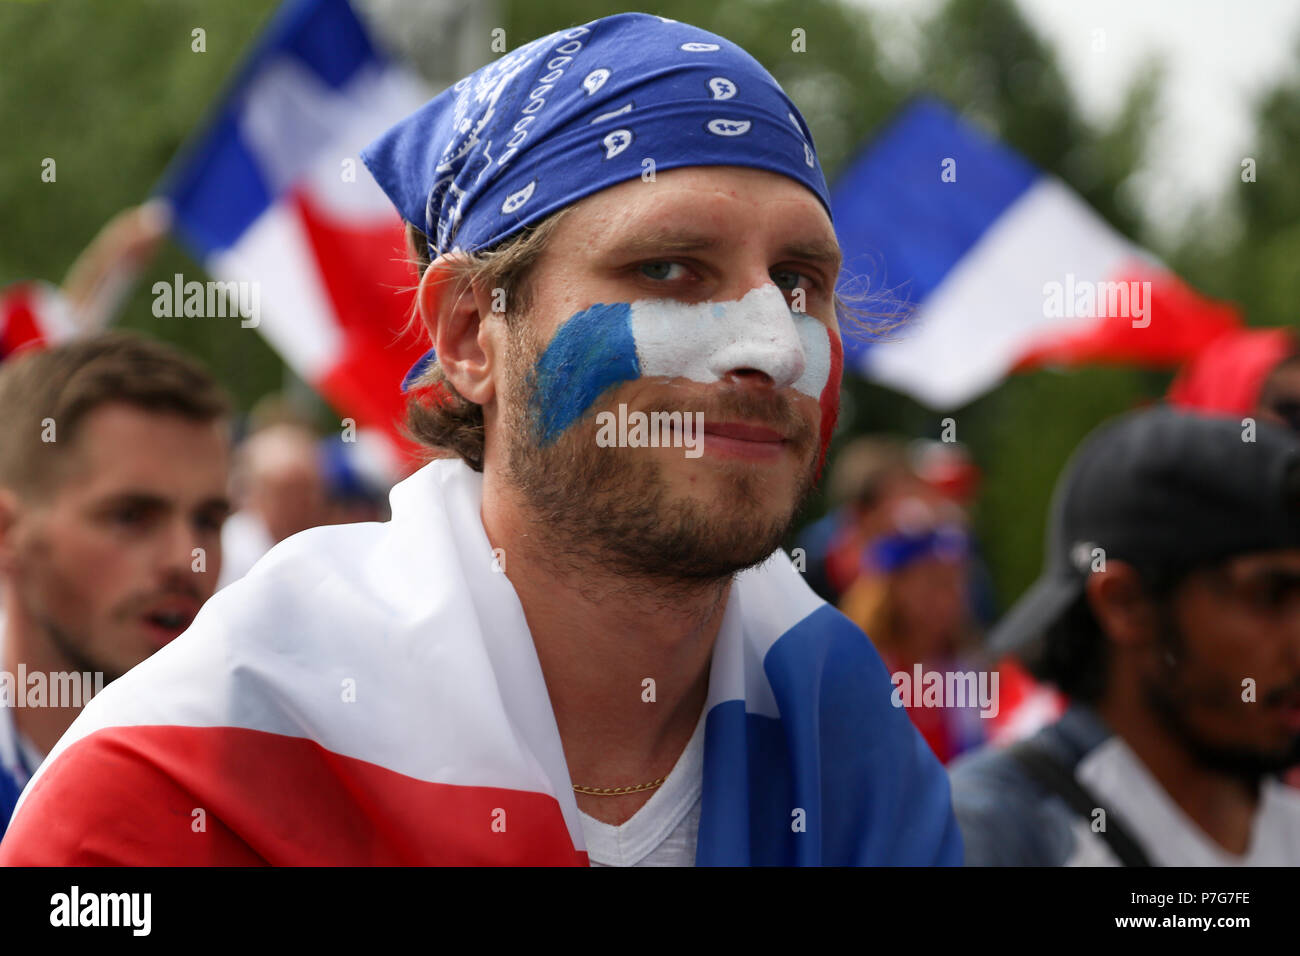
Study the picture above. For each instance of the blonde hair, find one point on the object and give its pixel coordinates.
(437, 416)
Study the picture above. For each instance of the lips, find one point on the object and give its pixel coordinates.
(167, 620)
(742, 432)
(744, 441)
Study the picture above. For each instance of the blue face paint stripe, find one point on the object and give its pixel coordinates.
(592, 352)
(418, 369)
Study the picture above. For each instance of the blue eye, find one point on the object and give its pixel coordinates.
(659, 271)
(789, 276)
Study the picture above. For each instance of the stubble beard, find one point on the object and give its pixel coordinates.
(614, 507)
(1170, 698)
(76, 650)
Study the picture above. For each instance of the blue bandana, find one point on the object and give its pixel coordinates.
(896, 551)
(578, 111)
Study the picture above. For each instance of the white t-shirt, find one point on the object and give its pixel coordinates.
(1122, 782)
(664, 830)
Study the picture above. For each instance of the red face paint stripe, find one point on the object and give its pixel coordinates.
(128, 796)
(830, 397)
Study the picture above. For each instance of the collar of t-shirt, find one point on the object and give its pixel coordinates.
(1122, 782)
(667, 814)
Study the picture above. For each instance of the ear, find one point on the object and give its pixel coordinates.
(454, 318)
(1120, 605)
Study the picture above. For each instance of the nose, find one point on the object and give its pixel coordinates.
(757, 334)
(176, 555)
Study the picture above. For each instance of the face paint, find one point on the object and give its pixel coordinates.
(605, 345)
(591, 352)
(705, 341)
(830, 398)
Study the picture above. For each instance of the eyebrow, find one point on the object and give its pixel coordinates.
(140, 499)
(135, 499)
(825, 252)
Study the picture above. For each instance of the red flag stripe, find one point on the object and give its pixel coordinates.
(228, 796)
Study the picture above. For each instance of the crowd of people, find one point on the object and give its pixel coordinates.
(1140, 704)
(1165, 682)
(1159, 674)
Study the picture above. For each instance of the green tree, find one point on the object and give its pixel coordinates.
(110, 91)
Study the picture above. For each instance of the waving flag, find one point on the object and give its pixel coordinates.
(271, 191)
(33, 314)
(1005, 266)
(370, 694)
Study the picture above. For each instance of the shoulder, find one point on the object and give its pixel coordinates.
(331, 575)
(1281, 804)
(258, 643)
(835, 698)
(1006, 817)
(301, 560)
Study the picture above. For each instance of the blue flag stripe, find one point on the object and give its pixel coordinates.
(897, 218)
(216, 185)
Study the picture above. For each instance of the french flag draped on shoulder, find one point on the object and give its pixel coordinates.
(370, 694)
(271, 192)
(1006, 267)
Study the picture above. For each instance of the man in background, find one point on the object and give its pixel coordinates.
(113, 469)
(280, 487)
(1169, 614)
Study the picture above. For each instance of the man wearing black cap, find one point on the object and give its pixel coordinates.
(1169, 613)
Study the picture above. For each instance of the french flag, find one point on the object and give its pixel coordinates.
(370, 694)
(272, 191)
(33, 314)
(1005, 267)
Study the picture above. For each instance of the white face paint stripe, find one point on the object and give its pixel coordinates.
(816, 339)
(704, 341)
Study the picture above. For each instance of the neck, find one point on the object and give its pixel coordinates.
(1221, 804)
(626, 661)
(28, 644)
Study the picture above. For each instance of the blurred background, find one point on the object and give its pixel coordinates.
(1146, 110)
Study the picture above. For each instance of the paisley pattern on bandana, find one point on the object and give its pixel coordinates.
(580, 110)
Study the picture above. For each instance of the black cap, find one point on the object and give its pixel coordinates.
(1166, 489)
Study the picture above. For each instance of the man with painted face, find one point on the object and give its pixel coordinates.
(577, 640)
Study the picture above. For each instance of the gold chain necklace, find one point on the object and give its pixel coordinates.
(618, 791)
